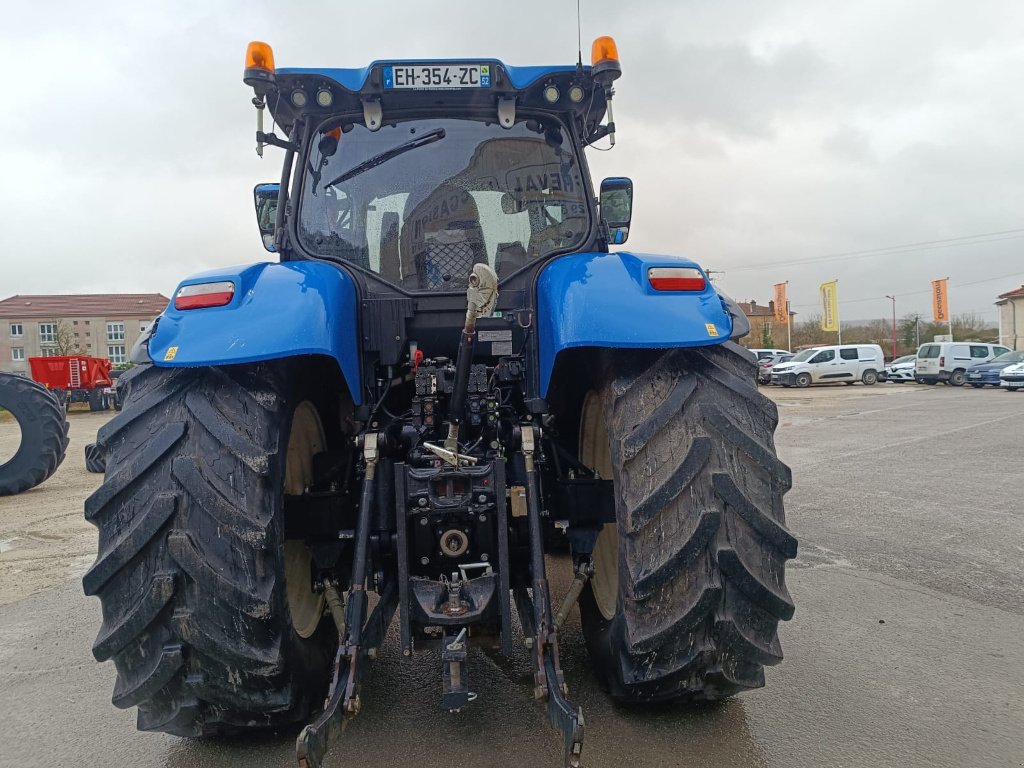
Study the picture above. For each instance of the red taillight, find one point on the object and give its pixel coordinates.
(942, 362)
(676, 279)
(203, 295)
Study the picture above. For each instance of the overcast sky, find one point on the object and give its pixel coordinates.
(757, 133)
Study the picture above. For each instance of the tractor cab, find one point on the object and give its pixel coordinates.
(413, 172)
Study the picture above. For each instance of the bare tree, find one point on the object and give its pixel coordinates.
(66, 342)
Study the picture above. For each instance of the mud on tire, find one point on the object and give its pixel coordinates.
(701, 538)
(190, 565)
(44, 434)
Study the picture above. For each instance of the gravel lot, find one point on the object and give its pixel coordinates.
(907, 647)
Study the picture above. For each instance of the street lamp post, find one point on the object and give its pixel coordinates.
(893, 299)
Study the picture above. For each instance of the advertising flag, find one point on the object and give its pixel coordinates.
(940, 301)
(781, 315)
(829, 305)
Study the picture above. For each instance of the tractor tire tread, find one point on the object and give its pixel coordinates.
(186, 516)
(699, 505)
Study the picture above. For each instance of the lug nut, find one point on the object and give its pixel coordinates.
(482, 498)
(422, 501)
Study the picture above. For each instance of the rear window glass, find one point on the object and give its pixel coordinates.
(928, 351)
(1010, 357)
(848, 354)
(980, 352)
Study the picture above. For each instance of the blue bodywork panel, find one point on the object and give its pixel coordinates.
(355, 79)
(605, 300)
(278, 310)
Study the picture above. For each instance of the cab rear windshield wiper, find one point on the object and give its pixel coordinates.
(420, 141)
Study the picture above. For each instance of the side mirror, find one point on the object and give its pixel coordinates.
(617, 208)
(265, 196)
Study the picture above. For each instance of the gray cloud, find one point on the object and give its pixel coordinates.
(755, 132)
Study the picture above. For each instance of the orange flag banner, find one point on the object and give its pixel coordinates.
(940, 300)
(781, 315)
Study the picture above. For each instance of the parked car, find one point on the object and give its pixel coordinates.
(988, 373)
(764, 367)
(848, 363)
(1012, 377)
(948, 361)
(765, 354)
(901, 369)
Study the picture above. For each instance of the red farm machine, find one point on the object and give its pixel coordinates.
(76, 379)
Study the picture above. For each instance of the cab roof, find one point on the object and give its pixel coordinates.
(351, 89)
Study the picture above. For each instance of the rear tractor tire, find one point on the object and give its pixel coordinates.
(44, 434)
(689, 585)
(207, 610)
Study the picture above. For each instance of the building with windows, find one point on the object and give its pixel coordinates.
(1011, 318)
(763, 325)
(96, 324)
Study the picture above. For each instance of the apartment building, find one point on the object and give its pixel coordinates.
(96, 324)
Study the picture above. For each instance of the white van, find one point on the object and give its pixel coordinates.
(823, 365)
(948, 361)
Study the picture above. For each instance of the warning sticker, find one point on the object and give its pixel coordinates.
(503, 335)
(171, 353)
(712, 331)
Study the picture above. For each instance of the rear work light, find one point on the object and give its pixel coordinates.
(203, 295)
(676, 279)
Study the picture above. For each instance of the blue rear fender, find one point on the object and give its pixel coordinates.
(278, 311)
(606, 300)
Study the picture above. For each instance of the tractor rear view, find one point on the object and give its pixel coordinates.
(447, 373)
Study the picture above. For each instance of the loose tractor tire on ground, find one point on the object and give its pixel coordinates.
(43, 434)
(447, 375)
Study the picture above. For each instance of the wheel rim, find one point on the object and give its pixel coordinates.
(304, 442)
(595, 452)
(803, 380)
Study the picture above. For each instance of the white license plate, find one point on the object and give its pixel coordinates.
(436, 77)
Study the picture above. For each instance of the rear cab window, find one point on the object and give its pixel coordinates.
(848, 354)
(979, 351)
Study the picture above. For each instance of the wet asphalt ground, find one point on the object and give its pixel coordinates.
(907, 648)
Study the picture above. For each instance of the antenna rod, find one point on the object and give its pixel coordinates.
(579, 37)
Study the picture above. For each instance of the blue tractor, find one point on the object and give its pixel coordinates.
(446, 374)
